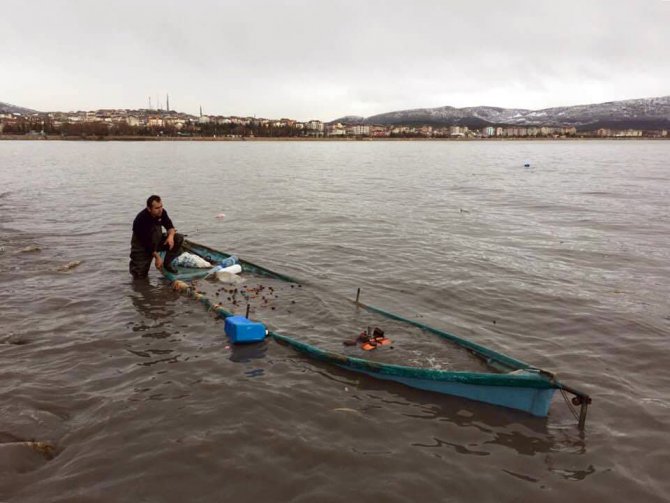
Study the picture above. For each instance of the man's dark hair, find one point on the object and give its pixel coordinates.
(151, 200)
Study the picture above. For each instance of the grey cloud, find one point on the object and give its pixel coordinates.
(309, 59)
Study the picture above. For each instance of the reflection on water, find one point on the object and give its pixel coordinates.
(460, 449)
(512, 430)
(571, 474)
(155, 308)
(245, 353)
(151, 301)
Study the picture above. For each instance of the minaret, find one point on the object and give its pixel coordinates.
(167, 102)
(200, 110)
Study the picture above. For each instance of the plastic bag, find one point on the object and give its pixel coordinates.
(187, 259)
(228, 277)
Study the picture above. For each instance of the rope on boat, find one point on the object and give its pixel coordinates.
(554, 380)
(579, 398)
(568, 402)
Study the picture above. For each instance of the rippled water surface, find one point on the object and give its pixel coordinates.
(131, 392)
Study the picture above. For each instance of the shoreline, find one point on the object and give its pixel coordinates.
(312, 139)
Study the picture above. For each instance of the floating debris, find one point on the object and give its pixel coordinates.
(228, 277)
(346, 409)
(44, 448)
(16, 340)
(179, 286)
(69, 266)
(30, 249)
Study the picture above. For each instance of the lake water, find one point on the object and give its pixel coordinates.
(564, 264)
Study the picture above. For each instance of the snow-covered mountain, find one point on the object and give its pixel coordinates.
(637, 113)
(350, 119)
(9, 109)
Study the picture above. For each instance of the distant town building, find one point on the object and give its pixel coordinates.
(336, 129)
(314, 125)
(380, 131)
(457, 131)
(360, 130)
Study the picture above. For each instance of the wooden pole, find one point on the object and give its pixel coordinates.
(582, 413)
(581, 399)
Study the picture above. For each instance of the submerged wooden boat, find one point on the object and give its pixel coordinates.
(510, 383)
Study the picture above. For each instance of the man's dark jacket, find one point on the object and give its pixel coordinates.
(147, 230)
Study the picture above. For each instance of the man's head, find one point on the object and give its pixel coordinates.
(155, 206)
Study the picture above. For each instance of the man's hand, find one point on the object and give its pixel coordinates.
(159, 262)
(170, 241)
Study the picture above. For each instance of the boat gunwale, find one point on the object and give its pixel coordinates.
(530, 379)
(489, 355)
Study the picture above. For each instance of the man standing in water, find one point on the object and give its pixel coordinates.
(148, 239)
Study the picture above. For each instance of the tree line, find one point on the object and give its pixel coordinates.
(122, 128)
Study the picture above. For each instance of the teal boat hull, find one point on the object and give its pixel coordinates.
(528, 389)
(532, 400)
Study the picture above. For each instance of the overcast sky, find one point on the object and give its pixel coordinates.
(322, 59)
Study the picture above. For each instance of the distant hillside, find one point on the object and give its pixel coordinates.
(7, 108)
(645, 113)
(349, 119)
